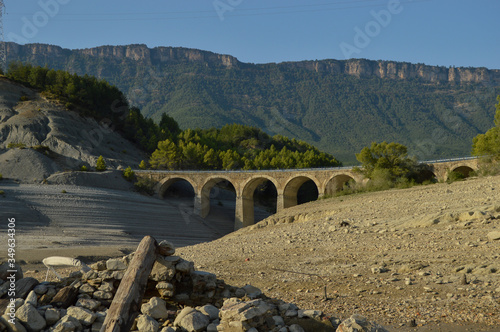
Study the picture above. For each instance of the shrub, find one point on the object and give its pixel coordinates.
(1, 176)
(129, 174)
(64, 191)
(2, 192)
(143, 165)
(145, 186)
(41, 148)
(24, 98)
(100, 164)
(13, 145)
(83, 168)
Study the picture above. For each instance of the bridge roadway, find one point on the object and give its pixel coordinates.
(287, 183)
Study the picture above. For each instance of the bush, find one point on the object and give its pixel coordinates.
(143, 165)
(64, 191)
(2, 192)
(100, 164)
(129, 174)
(145, 186)
(24, 98)
(83, 168)
(1, 176)
(12, 145)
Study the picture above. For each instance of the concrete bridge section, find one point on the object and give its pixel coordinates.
(286, 182)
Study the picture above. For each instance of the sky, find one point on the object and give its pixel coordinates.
(458, 33)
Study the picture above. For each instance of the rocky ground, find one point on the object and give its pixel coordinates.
(425, 255)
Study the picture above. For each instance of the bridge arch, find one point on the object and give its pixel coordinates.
(168, 181)
(337, 182)
(204, 195)
(465, 170)
(292, 186)
(245, 202)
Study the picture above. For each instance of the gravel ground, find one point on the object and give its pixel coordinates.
(394, 256)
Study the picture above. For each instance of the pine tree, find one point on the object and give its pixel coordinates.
(100, 164)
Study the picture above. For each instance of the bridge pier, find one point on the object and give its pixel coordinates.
(244, 213)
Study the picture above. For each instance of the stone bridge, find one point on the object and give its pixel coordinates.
(286, 182)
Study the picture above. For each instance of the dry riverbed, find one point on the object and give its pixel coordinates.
(424, 255)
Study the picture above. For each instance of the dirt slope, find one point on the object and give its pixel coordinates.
(29, 119)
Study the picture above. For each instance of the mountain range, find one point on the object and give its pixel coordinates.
(340, 106)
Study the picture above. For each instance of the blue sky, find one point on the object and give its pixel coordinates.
(434, 32)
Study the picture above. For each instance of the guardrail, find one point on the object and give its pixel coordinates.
(292, 169)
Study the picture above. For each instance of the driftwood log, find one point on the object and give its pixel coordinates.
(128, 298)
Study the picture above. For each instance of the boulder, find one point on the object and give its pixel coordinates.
(252, 292)
(52, 315)
(12, 327)
(209, 310)
(67, 324)
(90, 304)
(114, 264)
(192, 320)
(358, 323)
(30, 317)
(84, 316)
(32, 298)
(185, 267)
(163, 270)
(155, 308)
(166, 248)
(24, 286)
(146, 323)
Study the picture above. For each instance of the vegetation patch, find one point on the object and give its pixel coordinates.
(13, 145)
(145, 185)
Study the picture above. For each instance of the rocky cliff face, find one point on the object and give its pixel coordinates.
(402, 71)
(38, 53)
(139, 53)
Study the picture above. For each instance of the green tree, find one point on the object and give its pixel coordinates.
(392, 157)
(488, 144)
(128, 174)
(100, 164)
(143, 165)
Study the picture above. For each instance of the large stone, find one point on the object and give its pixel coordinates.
(67, 324)
(492, 236)
(185, 267)
(114, 264)
(107, 286)
(65, 297)
(203, 281)
(32, 298)
(30, 317)
(163, 270)
(295, 328)
(147, 323)
(52, 315)
(155, 308)
(358, 323)
(12, 327)
(245, 315)
(252, 292)
(84, 316)
(41, 289)
(192, 321)
(24, 286)
(166, 248)
(90, 304)
(209, 310)
(314, 314)
(100, 295)
(165, 289)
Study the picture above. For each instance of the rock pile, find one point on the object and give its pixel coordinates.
(177, 298)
